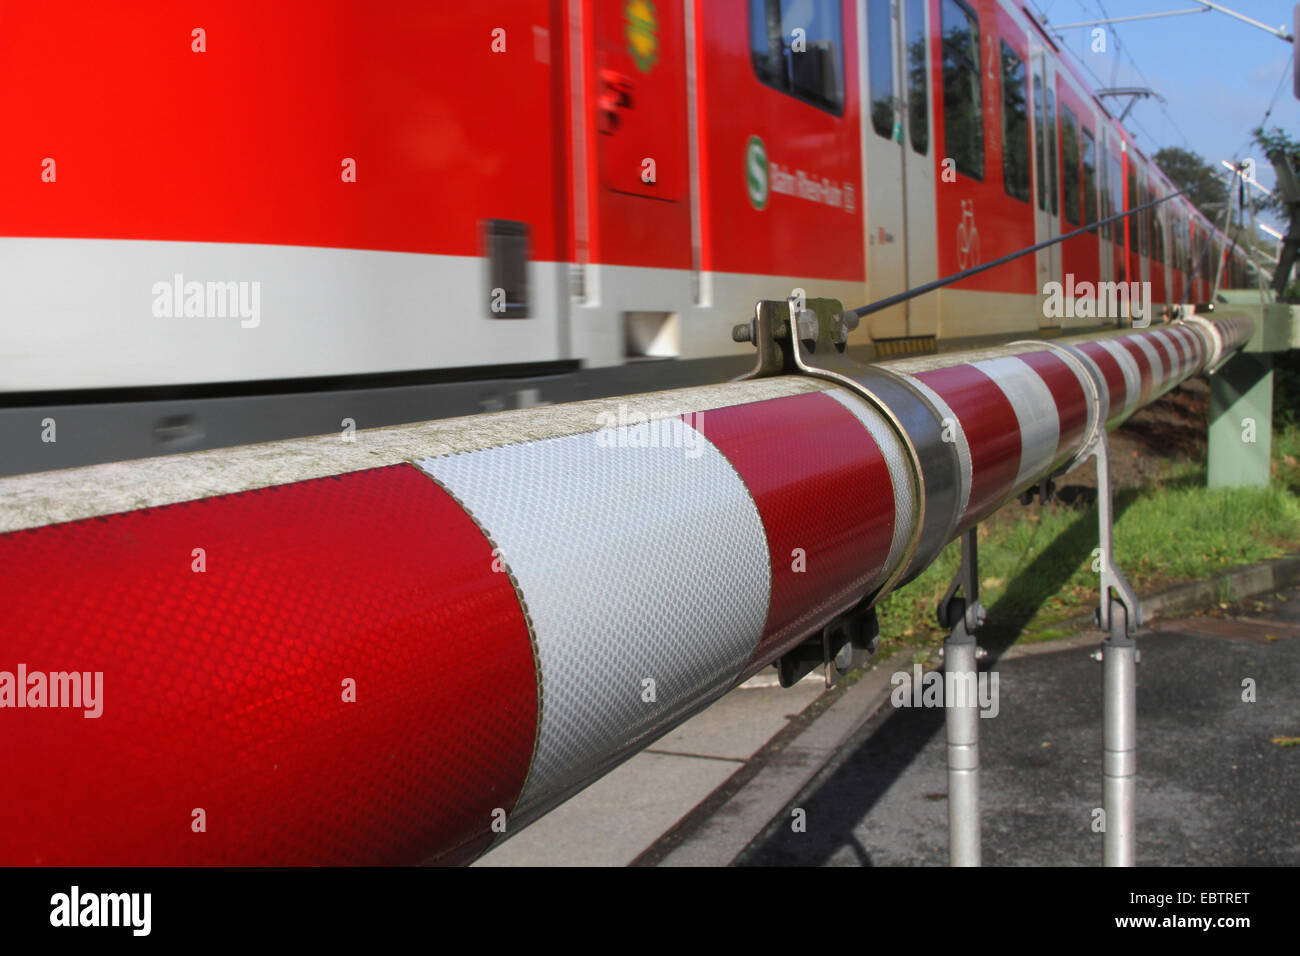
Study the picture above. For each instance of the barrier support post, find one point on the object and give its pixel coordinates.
(1120, 615)
(963, 616)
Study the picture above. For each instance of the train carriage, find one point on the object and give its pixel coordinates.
(253, 221)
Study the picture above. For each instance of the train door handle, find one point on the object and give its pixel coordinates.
(615, 95)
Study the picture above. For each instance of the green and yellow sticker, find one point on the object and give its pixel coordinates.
(642, 31)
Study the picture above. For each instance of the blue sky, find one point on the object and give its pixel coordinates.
(1217, 74)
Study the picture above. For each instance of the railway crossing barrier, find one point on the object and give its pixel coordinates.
(404, 648)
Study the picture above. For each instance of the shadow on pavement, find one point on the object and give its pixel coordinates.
(889, 749)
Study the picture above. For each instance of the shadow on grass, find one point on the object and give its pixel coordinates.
(838, 800)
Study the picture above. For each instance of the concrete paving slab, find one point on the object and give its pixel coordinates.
(616, 818)
(740, 723)
(720, 837)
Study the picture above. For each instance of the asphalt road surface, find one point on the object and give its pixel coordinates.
(1217, 782)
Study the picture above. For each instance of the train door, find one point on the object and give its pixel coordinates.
(1047, 203)
(1138, 231)
(901, 252)
(1119, 230)
(1156, 229)
(1104, 137)
(640, 186)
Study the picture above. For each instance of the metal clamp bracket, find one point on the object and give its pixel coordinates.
(816, 349)
(1115, 589)
(808, 337)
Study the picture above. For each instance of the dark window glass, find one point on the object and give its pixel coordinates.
(918, 102)
(1104, 187)
(1051, 153)
(808, 65)
(1117, 194)
(1040, 145)
(1015, 126)
(1144, 219)
(1157, 233)
(1089, 177)
(1070, 156)
(963, 117)
(1133, 203)
(880, 63)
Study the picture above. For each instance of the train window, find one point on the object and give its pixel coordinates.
(1142, 217)
(880, 38)
(1117, 194)
(1157, 233)
(1133, 203)
(918, 101)
(1015, 126)
(1040, 121)
(1051, 153)
(806, 64)
(1070, 171)
(963, 116)
(1103, 183)
(1089, 177)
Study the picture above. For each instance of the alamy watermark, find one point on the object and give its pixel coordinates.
(943, 689)
(1101, 300)
(75, 908)
(208, 300)
(83, 690)
(628, 428)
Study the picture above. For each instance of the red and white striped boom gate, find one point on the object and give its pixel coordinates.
(402, 647)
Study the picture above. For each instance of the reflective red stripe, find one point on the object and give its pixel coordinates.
(1185, 348)
(1170, 355)
(1067, 392)
(1145, 372)
(1191, 343)
(992, 431)
(224, 690)
(1113, 375)
(821, 486)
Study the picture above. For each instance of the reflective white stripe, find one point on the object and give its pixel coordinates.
(1159, 364)
(1036, 411)
(1129, 369)
(1093, 381)
(1092, 388)
(1172, 358)
(623, 542)
(951, 421)
(1213, 333)
(1173, 354)
(1195, 343)
(899, 462)
(1188, 351)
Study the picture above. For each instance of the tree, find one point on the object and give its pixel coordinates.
(1187, 170)
(1269, 142)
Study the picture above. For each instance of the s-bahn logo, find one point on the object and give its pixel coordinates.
(762, 178)
(642, 31)
(757, 180)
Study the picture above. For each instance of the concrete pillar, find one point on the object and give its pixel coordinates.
(1241, 422)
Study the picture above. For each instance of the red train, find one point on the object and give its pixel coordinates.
(248, 221)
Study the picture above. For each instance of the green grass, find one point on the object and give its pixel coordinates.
(1036, 561)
